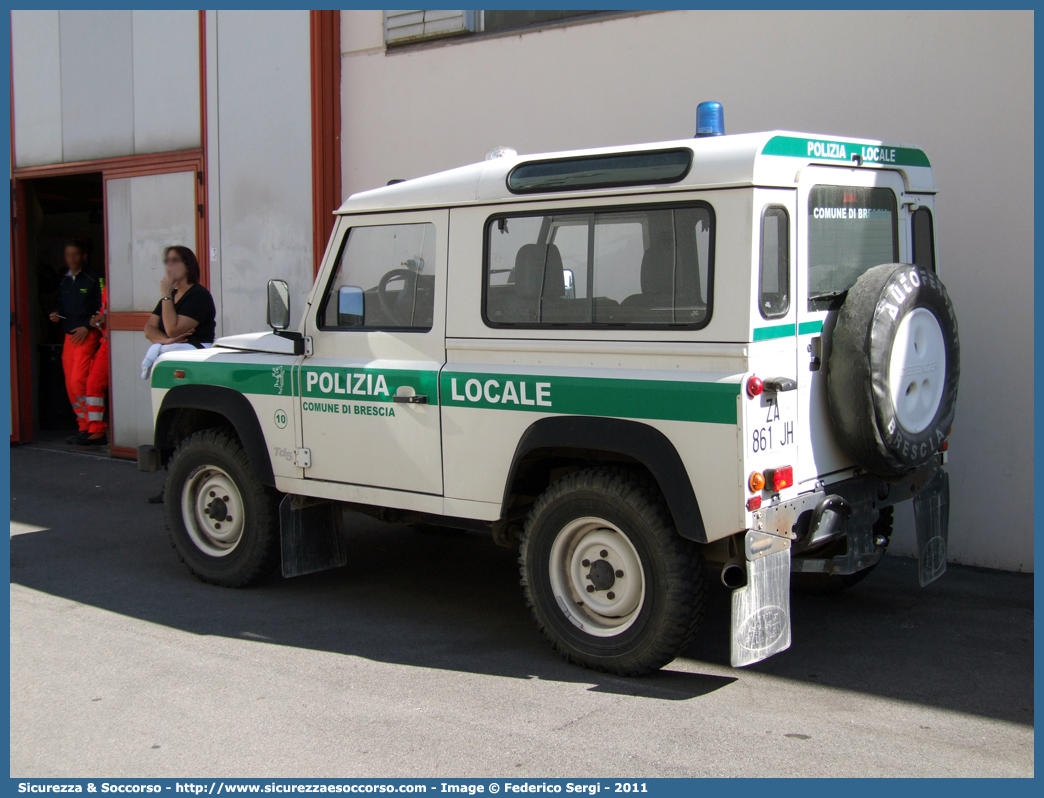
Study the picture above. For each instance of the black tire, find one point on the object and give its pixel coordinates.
(673, 604)
(859, 396)
(256, 552)
(830, 584)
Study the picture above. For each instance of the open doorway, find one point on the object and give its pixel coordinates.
(57, 210)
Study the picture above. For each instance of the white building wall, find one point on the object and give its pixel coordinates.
(97, 84)
(166, 80)
(37, 84)
(959, 84)
(264, 161)
(104, 84)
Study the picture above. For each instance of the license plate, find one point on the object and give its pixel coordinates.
(771, 425)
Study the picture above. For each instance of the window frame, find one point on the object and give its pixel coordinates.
(594, 210)
(931, 235)
(601, 186)
(335, 269)
(761, 258)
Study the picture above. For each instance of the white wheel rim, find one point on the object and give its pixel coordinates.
(917, 370)
(213, 511)
(613, 569)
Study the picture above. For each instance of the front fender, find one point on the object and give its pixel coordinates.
(225, 402)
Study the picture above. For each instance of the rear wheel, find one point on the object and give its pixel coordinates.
(222, 522)
(610, 583)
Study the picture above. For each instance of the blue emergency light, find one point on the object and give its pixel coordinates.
(710, 119)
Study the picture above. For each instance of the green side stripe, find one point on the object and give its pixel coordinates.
(783, 330)
(835, 150)
(668, 400)
(807, 327)
(365, 384)
(257, 378)
(777, 331)
(268, 380)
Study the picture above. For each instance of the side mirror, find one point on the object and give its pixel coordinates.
(570, 284)
(351, 306)
(278, 305)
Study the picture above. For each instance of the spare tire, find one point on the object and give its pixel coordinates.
(892, 369)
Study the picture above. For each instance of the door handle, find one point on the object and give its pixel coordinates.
(815, 350)
(416, 399)
(780, 384)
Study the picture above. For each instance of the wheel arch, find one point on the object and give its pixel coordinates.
(188, 408)
(611, 438)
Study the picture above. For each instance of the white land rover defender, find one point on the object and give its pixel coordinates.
(726, 354)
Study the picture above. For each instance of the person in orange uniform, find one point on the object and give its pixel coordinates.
(79, 298)
(98, 377)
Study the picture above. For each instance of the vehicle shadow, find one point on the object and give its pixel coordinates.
(438, 598)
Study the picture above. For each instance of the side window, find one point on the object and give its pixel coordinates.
(637, 266)
(774, 288)
(923, 238)
(384, 280)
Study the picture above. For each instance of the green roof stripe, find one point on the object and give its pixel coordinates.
(835, 150)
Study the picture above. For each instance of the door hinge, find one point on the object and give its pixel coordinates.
(308, 346)
(199, 177)
(303, 458)
(200, 207)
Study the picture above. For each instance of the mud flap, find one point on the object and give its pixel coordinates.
(761, 609)
(932, 520)
(311, 535)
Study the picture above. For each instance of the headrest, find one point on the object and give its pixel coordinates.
(538, 272)
(658, 270)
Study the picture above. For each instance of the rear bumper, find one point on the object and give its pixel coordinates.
(849, 509)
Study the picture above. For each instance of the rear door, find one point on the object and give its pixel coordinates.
(369, 392)
(849, 220)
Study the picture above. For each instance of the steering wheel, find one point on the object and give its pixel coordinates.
(390, 306)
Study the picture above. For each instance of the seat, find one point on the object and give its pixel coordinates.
(539, 281)
(655, 304)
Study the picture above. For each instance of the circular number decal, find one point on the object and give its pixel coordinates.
(280, 419)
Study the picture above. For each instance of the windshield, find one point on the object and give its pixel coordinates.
(850, 230)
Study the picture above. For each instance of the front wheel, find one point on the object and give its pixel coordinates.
(610, 582)
(223, 523)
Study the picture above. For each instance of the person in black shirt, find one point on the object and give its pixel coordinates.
(79, 298)
(185, 312)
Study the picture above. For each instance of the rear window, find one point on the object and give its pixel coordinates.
(850, 230)
(600, 171)
(632, 267)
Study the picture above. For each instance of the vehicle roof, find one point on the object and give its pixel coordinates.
(773, 158)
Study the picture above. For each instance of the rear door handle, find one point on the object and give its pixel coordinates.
(416, 399)
(780, 384)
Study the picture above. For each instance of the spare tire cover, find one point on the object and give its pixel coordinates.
(892, 369)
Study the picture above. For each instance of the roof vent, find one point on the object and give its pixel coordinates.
(710, 119)
(500, 152)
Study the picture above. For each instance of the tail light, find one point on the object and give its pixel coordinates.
(756, 482)
(754, 386)
(779, 478)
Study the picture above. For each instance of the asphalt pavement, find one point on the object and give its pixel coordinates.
(419, 659)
